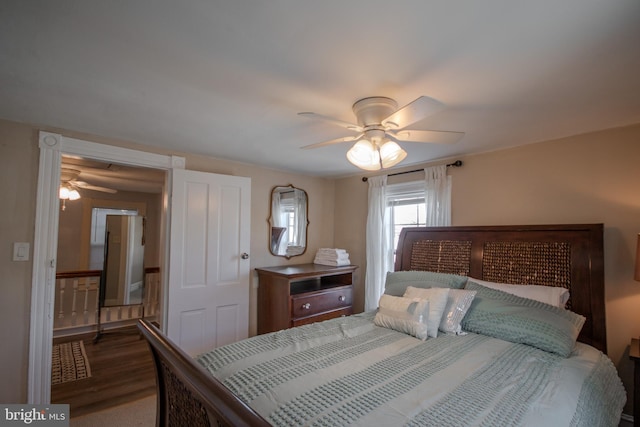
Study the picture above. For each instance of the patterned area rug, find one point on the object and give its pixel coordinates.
(69, 363)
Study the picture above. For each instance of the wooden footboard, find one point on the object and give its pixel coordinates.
(187, 394)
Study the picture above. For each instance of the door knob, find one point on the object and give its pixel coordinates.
(244, 255)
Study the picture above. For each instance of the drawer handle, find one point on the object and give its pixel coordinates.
(306, 306)
(341, 298)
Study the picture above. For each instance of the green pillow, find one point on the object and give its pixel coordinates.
(511, 318)
(397, 281)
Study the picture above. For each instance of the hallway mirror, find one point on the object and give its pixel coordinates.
(123, 271)
(288, 221)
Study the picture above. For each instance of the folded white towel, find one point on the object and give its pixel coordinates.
(332, 251)
(333, 257)
(332, 263)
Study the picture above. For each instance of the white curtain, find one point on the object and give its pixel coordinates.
(437, 196)
(378, 242)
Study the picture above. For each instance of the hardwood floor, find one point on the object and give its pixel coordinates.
(121, 371)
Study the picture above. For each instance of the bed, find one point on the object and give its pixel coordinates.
(503, 360)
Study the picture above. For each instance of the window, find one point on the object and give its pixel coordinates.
(288, 211)
(406, 208)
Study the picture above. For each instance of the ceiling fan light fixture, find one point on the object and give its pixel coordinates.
(74, 195)
(364, 155)
(382, 126)
(67, 193)
(64, 193)
(391, 154)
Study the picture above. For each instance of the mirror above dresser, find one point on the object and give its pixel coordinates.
(288, 221)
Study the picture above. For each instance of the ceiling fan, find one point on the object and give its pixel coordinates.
(380, 126)
(69, 185)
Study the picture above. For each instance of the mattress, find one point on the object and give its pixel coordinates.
(348, 371)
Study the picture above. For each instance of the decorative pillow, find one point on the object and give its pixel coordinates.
(407, 315)
(555, 296)
(437, 298)
(521, 320)
(458, 302)
(397, 281)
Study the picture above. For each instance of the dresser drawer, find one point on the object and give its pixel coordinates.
(312, 303)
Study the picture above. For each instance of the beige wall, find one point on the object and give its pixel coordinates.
(19, 155)
(591, 178)
(18, 180)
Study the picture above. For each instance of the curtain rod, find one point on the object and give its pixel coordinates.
(455, 164)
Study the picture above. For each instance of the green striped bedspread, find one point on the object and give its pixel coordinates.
(347, 371)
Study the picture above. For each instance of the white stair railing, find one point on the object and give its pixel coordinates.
(77, 292)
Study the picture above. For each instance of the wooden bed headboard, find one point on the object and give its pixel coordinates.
(569, 256)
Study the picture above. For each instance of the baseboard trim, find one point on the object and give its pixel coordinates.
(627, 417)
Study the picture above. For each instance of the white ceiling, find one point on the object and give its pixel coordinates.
(111, 176)
(227, 78)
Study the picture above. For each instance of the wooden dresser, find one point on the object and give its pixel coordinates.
(299, 294)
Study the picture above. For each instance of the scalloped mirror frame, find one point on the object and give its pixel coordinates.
(278, 232)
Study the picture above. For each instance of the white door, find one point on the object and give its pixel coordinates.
(208, 292)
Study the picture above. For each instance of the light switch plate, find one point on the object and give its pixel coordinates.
(21, 251)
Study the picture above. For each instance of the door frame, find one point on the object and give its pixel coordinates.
(45, 246)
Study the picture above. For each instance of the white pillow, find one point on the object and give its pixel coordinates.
(437, 298)
(407, 315)
(457, 306)
(552, 295)
(458, 302)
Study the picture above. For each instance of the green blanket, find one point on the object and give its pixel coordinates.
(347, 371)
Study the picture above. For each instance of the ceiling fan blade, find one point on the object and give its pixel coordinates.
(413, 112)
(85, 186)
(350, 126)
(334, 141)
(430, 136)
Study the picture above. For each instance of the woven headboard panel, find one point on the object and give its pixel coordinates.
(442, 256)
(570, 256)
(528, 263)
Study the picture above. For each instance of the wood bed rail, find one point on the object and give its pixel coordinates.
(189, 395)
